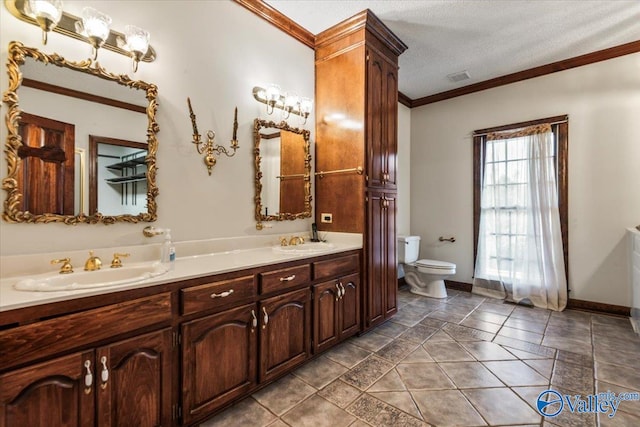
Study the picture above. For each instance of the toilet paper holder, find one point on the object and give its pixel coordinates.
(450, 239)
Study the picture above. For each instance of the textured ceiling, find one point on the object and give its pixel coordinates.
(488, 38)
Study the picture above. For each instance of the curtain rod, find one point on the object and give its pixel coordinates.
(557, 122)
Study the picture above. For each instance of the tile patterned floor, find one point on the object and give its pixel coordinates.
(462, 361)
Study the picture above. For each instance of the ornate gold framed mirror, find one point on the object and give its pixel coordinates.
(282, 171)
(62, 106)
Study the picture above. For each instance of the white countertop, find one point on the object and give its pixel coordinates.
(193, 261)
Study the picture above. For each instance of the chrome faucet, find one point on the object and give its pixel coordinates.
(93, 263)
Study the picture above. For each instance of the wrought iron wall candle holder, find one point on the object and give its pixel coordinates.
(209, 148)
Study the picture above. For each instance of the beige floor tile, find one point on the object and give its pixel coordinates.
(529, 347)
(485, 351)
(423, 376)
(447, 352)
(391, 381)
(418, 333)
(526, 325)
(381, 414)
(247, 412)
(620, 375)
(619, 419)
(317, 412)
(487, 316)
(284, 394)
(347, 354)
(515, 373)
(530, 394)
(481, 325)
(447, 408)
(470, 375)
(400, 399)
(419, 355)
(391, 329)
(511, 410)
(543, 366)
(371, 341)
(320, 372)
(440, 336)
(463, 333)
(576, 378)
(521, 334)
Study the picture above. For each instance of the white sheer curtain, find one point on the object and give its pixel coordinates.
(520, 254)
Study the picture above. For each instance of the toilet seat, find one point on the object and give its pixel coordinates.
(431, 263)
(435, 267)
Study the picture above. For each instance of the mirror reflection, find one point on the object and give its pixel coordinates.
(283, 168)
(65, 112)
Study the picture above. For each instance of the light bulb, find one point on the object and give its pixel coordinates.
(96, 26)
(47, 13)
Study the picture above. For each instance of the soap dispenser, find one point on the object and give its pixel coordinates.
(168, 256)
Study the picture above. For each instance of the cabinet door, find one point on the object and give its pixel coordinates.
(391, 256)
(350, 306)
(49, 394)
(133, 381)
(218, 360)
(326, 331)
(285, 339)
(382, 112)
(381, 291)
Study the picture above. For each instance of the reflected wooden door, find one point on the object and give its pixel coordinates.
(47, 168)
(292, 170)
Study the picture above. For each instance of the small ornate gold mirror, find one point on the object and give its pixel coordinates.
(283, 172)
(66, 108)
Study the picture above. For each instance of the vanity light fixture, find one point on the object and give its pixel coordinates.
(209, 148)
(288, 102)
(95, 25)
(92, 28)
(47, 14)
(136, 42)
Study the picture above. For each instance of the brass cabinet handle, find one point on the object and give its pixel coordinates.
(104, 374)
(338, 294)
(88, 377)
(222, 294)
(254, 322)
(288, 278)
(265, 320)
(342, 289)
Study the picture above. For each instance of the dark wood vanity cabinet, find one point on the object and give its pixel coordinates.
(124, 383)
(285, 338)
(219, 360)
(171, 355)
(336, 308)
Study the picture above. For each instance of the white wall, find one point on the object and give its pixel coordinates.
(404, 168)
(212, 51)
(603, 104)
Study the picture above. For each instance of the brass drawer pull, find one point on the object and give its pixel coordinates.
(88, 378)
(265, 320)
(288, 278)
(104, 375)
(254, 322)
(222, 294)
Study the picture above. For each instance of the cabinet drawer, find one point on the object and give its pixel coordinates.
(49, 337)
(218, 294)
(336, 267)
(285, 278)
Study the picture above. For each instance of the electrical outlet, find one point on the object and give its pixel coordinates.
(326, 218)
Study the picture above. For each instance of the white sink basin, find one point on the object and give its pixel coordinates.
(305, 248)
(104, 278)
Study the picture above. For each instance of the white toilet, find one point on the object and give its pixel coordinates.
(425, 276)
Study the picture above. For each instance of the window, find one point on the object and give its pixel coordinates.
(501, 166)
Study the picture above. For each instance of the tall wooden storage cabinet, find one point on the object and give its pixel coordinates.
(356, 127)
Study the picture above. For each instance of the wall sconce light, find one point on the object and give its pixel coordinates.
(92, 28)
(289, 103)
(209, 148)
(47, 14)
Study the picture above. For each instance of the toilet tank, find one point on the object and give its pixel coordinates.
(408, 249)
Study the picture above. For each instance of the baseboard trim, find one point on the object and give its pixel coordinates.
(575, 304)
(458, 286)
(599, 307)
